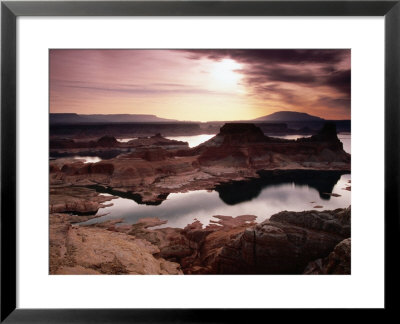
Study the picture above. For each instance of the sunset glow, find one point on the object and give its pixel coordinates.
(226, 74)
(201, 85)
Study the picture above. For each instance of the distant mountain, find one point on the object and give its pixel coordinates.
(72, 118)
(67, 119)
(286, 116)
(128, 118)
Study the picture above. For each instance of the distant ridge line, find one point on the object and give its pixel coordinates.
(285, 116)
(276, 117)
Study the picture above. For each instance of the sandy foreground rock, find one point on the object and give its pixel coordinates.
(93, 250)
(149, 169)
(289, 243)
(79, 200)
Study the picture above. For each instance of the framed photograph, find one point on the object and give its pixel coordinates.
(162, 159)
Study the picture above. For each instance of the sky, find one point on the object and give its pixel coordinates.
(201, 85)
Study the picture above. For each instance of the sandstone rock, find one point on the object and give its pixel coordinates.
(240, 133)
(332, 221)
(54, 168)
(76, 270)
(238, 151)
(94, 250)
(77, 200)
(207, 242)
(101, 167)
(244, 145)
(338, 261)
(116, 253)
(62, 143)
(107, 141)
(285, 244)
(107, 147)
(155, 155)
(152, 167)
(326, 134)
(172, 243)
(59, 227)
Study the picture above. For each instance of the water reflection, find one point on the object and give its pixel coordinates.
(98, 154)
(239, 191)
(192, 140)
(346, 140)
(129, 195)
(88, 159)
(195, 140)
(126, 139)
(264, 200)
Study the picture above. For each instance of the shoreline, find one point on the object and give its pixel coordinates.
(239, 155)
(198, 250)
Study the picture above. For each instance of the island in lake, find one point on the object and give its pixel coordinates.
(222, 192)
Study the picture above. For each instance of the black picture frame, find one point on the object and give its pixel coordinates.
(10, 10)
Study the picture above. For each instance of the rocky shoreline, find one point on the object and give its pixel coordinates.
(310, 242)
(147, 170)
(154, 167)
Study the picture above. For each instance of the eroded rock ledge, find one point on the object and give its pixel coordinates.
(155, 166)
(93, 250)
(285, 243)
(151, 168)
(288, 243)
(77, 200)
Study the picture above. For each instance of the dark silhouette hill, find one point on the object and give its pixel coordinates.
(285, 116)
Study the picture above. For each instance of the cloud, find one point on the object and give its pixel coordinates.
(340, 80)
(290, 75)
(334, 102)
(261, 74)
(272, 56)
(263, 80)
(155, 88)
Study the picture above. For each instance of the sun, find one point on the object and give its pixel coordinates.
(225, 73)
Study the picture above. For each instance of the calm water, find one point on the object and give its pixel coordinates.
(262, 198)
(88, 159)
(193, 140)
(125, 140)
(346, 140)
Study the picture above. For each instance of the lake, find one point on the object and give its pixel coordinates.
(192, 140)
(195, 140)
(126, 139)
(198, 139)
(262, 197)
(88, 159)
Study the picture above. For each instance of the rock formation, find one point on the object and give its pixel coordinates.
(94, 250)
(337, 262)
(108, 146)
(287, 243)
(239, 151)
(77, 200)
(148, 169)
(245, 145)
